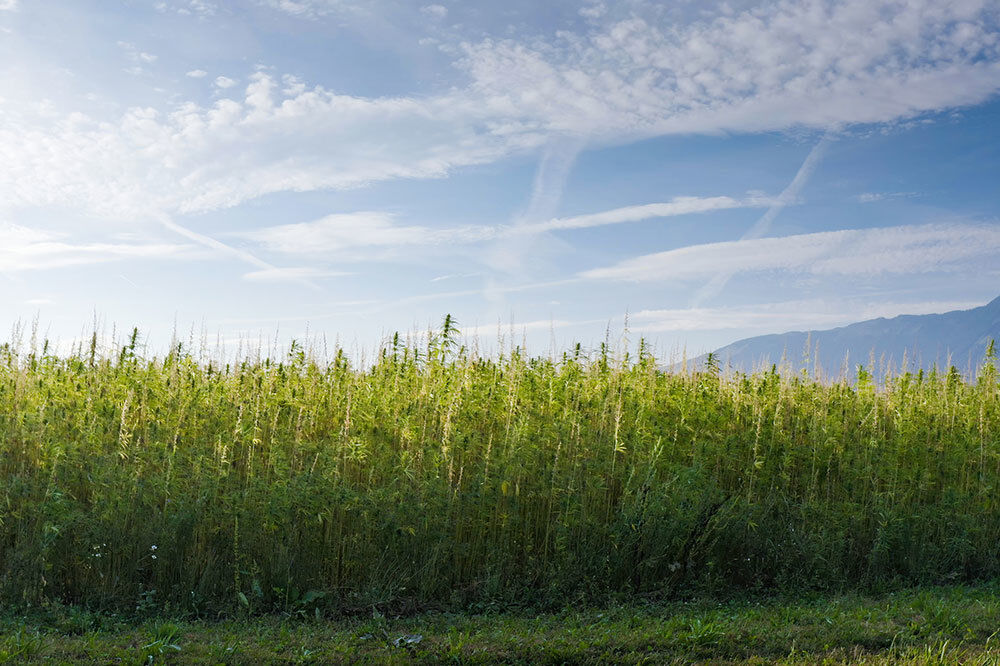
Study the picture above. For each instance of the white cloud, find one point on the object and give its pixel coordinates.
(677, 206)
(304, 8)
(435, 11)
(8, 5)
(26, 249)
(197, 74)
(199, 8)
(788, 63)
(196, 158)
(224, 82)
(296, 274)
(863, 252)
(779, 65)
(455, 276)
(133, 53)
(870, 197)
(338, 232)
(372, 228)
(203, 8)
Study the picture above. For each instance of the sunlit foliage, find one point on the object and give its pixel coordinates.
(434, 475)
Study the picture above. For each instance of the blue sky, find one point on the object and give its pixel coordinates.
(347, 169)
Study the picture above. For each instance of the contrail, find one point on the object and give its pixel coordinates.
(510, 255)
(763, 225)
(214, 244)
(550, 180)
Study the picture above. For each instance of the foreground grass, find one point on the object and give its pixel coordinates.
(940, 625)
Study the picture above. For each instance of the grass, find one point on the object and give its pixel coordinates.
(433, 478)
(946, 625)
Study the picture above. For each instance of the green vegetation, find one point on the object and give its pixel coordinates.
(918, 627)
(433, 478)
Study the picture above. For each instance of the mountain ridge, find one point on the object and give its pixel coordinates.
(957, 338)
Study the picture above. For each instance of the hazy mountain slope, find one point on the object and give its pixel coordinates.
(926, 340)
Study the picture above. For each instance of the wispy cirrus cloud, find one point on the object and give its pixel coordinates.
(338, 232)
(858, 252)
(455, 276)
(871, 197)
(24, 249)
(292, 274)
(675, 207)
(380, 229)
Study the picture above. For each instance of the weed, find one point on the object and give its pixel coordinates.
(433, 476)
(163, 642)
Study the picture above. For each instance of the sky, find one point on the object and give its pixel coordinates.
(548, 173)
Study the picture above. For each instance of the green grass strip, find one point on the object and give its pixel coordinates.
(941, 625)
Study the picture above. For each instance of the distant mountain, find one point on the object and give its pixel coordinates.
(956, 338)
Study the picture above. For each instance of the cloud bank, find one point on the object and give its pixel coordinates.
(779, 65)
(850, 252)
